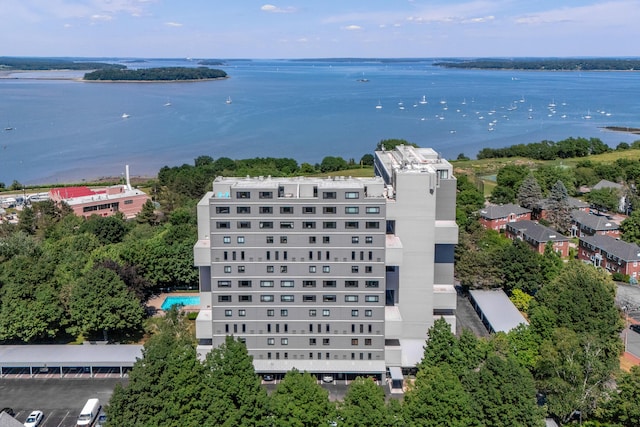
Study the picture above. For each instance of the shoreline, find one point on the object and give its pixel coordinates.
(623, 129)
(15, 75)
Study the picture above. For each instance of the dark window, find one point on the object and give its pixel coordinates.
(373, 224)
(309, 224)
(350, 225)
(224, 298)
(265, 195)
(308, 298)
(286, 224)
(243, 209)
(308, 209)
(245, 298)
(329, 210)
(329, 224)
(350, 283)
(222, 209)
(266, 224)
(244, 224)
(328, 194)
(223, 224)
(266, 209)
(243, 194)
(286, 209)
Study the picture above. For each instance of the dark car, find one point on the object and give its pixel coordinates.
(635, 328)
(8, 411)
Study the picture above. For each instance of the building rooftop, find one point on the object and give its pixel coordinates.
(573, 203)
(607, 184)
(81, 195)
(594, 222)
(618, 248)
(407, 158)
(502, 211)
(537, 232)
(497, 309)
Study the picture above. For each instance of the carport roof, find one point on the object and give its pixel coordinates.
(497, 309)
(14, 356)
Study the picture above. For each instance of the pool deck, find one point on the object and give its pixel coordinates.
(156, 301)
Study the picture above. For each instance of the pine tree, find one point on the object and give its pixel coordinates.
(558, 213)
(529, 193)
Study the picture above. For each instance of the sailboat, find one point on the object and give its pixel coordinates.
(228, 101)
(379, 106)
(125, 115)
(423, 100)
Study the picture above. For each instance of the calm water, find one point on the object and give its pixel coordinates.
(171, 301)
(67, 130)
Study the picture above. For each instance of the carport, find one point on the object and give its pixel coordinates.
(496, 310)
(397, 379)
(66, 359)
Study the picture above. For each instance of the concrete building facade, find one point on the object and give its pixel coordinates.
(329, 275)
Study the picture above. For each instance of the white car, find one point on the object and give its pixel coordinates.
(34, 419)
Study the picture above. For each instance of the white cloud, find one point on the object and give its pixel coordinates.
(275, 9)
(601, 14)
(352, 27)
(173, 24)
(98, 17)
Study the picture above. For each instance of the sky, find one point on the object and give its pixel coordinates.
(319, 28)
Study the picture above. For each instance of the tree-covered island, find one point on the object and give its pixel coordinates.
(156, 74)
(546, 64)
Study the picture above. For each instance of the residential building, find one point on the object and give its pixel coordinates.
(588, 224)
(537, 236)
(496, 217)
(540, 212)
(611, 254)
(329, 275)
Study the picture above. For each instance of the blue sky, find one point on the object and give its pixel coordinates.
(319, 28)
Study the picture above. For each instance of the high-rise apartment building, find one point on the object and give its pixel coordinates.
(329, 275)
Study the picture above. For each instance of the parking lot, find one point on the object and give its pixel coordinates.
(60, 399)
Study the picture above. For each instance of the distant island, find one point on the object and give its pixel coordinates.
(547, 64)
(47, 64)
(627, 129)
(156, 74)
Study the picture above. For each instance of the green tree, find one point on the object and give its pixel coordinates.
(165, 385)
(437, 398)
(529, 192)
(100, 302)
(364, 405)
(558, 212)
(630, 227)
(503, 393)
(147, 215)
(233, 387)
(604, 199)
(572, 373)
(366, 160)
(332, 164)
(110, 229)
(390, 144)
(502, 195)
(622, 406)
(299, 401)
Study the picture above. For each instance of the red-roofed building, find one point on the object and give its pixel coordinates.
(104, 202)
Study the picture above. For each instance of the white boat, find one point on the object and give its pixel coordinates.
(125, 115)
(587, 116)
(379, 106)
(228, 101)
(423, 100)
(167, 104)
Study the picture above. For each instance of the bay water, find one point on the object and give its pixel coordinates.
(54, 129)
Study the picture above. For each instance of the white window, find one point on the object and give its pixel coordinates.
(286, 283)
(242, 313)
(286, 298)
(373, 209)
(266, 283)
(284, 341)
(228, 313)
(271, 341)
(240, 239)
(326, 269)
(266, 298)
(326, 313)
(351, 210)
(227, 269)
(371, 298)
(351, 298)
(312, 269)
(226, 239)
(351, 195)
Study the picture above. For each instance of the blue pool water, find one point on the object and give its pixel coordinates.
(171, 301)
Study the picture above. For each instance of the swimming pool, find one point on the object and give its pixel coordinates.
(179, 300)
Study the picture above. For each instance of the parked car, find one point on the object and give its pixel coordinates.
(327, 379)
(102, 420)
(34, 419)
(8, 411)
(635, 328)
(267, 377)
